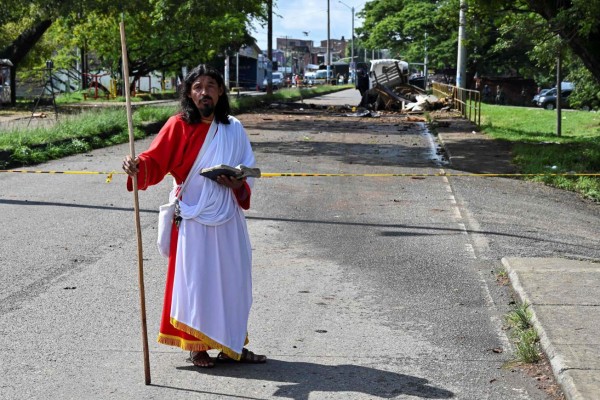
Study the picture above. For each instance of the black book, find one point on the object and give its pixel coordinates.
(239, 172)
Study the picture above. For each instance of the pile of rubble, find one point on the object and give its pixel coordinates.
(427, 103)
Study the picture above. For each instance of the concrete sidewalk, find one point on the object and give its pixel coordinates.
(563, 295)
(469, 150)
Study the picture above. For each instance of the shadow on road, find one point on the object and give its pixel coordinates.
(421, 228)
(300, 379)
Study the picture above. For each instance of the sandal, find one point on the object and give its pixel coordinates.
(248, 357)
(201, 359)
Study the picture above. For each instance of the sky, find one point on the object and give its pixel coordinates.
(293, 18)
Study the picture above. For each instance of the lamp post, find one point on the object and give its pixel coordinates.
(352, 48)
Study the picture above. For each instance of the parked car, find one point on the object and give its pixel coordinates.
(537, 96)
(548, 100)
(276, 81)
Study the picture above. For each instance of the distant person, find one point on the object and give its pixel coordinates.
(499, 95)
(487, 94)
(209, 286)
(362, 82)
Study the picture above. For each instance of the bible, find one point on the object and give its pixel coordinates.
(239, 172)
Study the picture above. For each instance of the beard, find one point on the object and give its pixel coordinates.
(206, 110)
(206, 107)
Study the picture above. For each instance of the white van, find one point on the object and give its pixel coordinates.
(321, 76)
(309, 78)
(276, 82)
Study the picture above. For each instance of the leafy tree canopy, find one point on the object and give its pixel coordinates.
(504, 37)
(407, 28)
(162, 35)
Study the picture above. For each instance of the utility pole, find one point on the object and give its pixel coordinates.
(328, 62)
(352, 44)
(559, 92)
(237, 71)
(462, 50)
(425, 71)
(285, 57)
(270, 45)
(226, 72)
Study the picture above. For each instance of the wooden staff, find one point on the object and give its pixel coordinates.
(138, 229)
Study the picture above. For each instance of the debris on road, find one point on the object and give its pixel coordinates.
(390, 90)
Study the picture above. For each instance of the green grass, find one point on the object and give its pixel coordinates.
(538, 150)
(74, 134)
(527, 347)
(520, 317)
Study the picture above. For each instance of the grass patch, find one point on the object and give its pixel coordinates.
(527, 341)
(538, 150)
(73, 134)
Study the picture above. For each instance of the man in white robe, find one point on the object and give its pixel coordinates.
(209, 286)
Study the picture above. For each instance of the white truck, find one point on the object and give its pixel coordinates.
(388, 84)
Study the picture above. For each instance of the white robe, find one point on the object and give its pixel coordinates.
(212, 289)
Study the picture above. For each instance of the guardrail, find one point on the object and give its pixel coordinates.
(467, 101)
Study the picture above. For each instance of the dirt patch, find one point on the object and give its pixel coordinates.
(544, 377)
(285, 114)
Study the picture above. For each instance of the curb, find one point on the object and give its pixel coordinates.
(561, 371)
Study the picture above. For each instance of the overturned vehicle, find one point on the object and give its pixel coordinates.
(386, 86)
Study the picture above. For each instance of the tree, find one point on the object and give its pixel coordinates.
(161, 34)
(577, 23)
(570, 27)
(406, 27)
(30, 20)
(402, 26)
(184, 33)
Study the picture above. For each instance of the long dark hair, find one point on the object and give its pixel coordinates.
(188, 109)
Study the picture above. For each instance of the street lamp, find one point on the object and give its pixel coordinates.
(352, 54)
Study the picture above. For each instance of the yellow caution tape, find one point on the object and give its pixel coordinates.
(109, 175)
(30, 171)
(303, 174)
(383, 175)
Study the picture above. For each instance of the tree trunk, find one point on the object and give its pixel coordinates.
(18, 49)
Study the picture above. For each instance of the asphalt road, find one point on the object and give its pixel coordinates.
(364, 287)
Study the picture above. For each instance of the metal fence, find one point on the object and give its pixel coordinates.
(466, 101)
